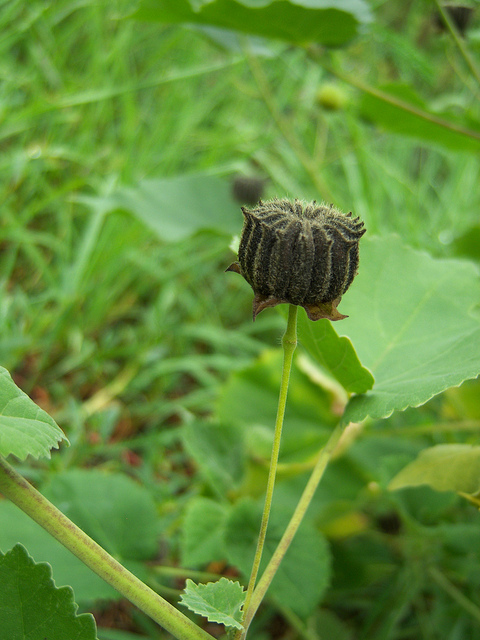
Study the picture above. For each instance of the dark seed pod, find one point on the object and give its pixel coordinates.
(247, 189)
(298, 253)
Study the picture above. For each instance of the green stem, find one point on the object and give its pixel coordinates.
(455, 593)
(459, 41)
(309, 164)
(27, 498)
(289, 343)
(290, 531)
(406, 106)
(394, 101)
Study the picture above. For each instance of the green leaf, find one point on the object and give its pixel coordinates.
(250, 399)
(115, 511)
(114, 634)
(304, 573)
(203, 529)
(445, 467)
(66, 567)
(220, 601)
(219, 452)
(467, 245)
(330, 23)
(337, 355)
(397, 108)
(105, 633)
(32, 607)
(25, 429)
(328, 625)
(175, 208)
(412, 324)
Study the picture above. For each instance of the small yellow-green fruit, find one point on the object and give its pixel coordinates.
(331, 97)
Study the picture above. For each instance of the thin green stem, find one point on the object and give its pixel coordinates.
(14, 487)
(309, 164)
(462, 47)
(396, 102)
(406, 106)
(290, 531)
(455, 593)
(289, 343)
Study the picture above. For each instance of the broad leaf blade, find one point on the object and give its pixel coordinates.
(175, 208)
(203, 529)
(67, 568)
(412, 324)
(397, 108)
(336, 354)
(445, 467)
(331, 23)
(220, 601)
(32, 607)
(219, 452)
(25, 429)
(115, 511)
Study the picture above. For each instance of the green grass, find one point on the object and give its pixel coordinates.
(121, 336)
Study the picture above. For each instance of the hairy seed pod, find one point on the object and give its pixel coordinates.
(298, 253)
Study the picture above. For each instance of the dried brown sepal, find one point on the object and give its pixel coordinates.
(326, 310)
(235, 266)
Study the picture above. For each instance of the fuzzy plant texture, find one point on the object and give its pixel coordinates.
(299, 253)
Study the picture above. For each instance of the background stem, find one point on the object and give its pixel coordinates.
(460, 43)
(289, 343)
(285, 127)
(27, 498)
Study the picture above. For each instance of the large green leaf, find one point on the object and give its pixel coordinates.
(329, 22)
(337, 355)
(202, 532)
(117, 512)
(25, 429)
(413, 325)
(397, 108)
(219, 451)
(32, 607)
(175, 208)
(304, 572)
(114, 510)
(445, 467)
(67, 568)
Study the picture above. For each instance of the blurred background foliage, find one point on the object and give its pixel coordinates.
(128, 146)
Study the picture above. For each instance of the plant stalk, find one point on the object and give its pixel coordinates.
(309, 164)
(455, 593)
(460, 43)
(300, 511)
(14, 487)
(289, 343)
(396, 102)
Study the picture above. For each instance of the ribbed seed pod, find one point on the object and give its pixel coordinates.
(298, 253)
